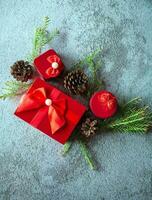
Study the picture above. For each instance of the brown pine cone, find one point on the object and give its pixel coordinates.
(76, 82)
(89, 127)
(21, 71)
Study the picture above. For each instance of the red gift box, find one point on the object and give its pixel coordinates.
(50, 110)
(49, 64)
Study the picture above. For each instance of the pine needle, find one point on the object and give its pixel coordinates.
(131, 118)
(13, 88)
(86, 154)
(41, 38)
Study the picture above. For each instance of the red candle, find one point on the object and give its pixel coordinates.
(103, 104)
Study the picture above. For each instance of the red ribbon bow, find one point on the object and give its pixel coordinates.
(53, 72)
(52, 104)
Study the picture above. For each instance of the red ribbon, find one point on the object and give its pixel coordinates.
(51, 71)
(52, 104)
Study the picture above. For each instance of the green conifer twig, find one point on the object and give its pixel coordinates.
(131, 118)
(91, 64)
(13, 88)
(86, 154)
(67, 147)
(41, 38)
(83, 147)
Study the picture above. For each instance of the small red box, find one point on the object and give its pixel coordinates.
(50, 110)
(49, 64)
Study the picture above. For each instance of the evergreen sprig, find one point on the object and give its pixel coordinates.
(41, 38)
(91, 65)
(83, 147)
(67, 147)
(84, 150)
(131, 118)
(86, 154)
(13, 88)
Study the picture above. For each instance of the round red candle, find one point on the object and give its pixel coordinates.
(103, 104)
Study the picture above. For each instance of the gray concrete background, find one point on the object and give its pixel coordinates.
(31, 166)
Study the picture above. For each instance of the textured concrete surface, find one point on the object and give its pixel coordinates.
(31, 166)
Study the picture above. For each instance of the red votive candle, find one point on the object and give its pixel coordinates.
(103, 104)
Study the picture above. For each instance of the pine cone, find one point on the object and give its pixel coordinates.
(76, 82)
(89, 127)
(21, 71)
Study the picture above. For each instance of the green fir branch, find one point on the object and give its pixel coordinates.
(13, 88)
(66, 148)
(87, 60)
(86, 154)
(132, 103)
(84, 150)
(130, 118)
(91, 65)
(83, 147)
(41, 38)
